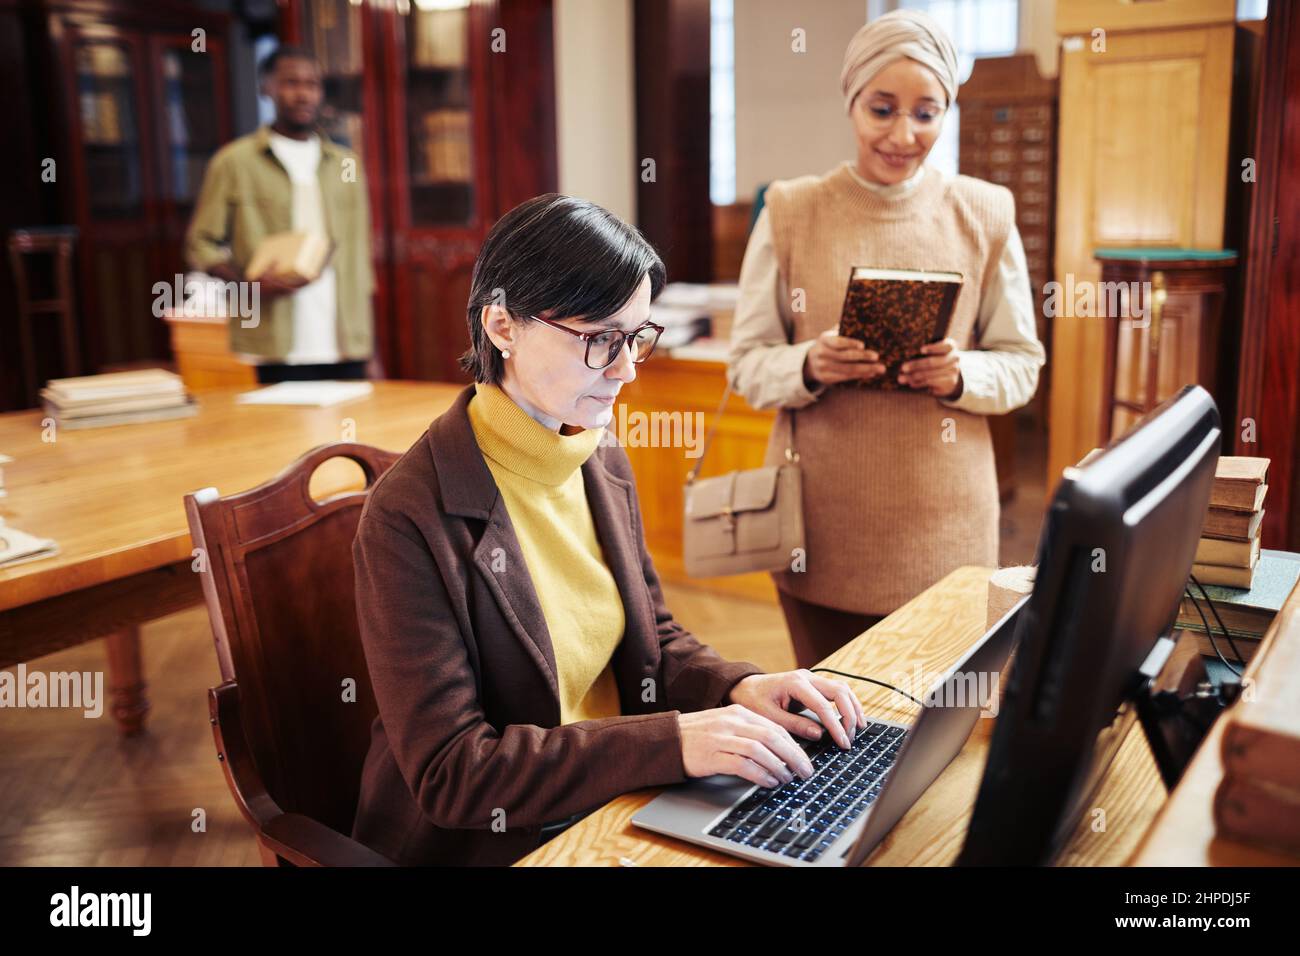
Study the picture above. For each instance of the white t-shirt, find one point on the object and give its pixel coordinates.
(315, 305)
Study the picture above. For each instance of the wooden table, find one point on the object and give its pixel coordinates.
(111, 498)
(1184, 833)
(932, 631)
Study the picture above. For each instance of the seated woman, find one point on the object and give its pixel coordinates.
(524, 664)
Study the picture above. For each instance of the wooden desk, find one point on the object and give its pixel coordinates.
(111, 498)
(932, 630)
(1184, 833)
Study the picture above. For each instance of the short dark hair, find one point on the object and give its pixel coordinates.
(559, 255)
(285, 52)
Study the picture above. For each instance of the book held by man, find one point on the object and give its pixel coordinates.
(291, 257)
(896, 311)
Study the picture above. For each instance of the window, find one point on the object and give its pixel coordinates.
(978, 28)
(722, 106)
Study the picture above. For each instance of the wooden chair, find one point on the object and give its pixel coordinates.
(277, 578)
(56, 241)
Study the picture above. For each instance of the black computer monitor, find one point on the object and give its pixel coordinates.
(1117, 546)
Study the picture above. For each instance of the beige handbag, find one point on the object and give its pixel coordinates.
(745, 520)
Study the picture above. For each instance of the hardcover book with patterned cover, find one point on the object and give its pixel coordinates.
(894, 312)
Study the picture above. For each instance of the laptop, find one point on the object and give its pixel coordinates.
(838, 815)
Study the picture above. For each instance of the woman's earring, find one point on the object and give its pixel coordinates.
(505, 353)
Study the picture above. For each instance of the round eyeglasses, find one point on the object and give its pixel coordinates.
(883, 115)
(603, 345)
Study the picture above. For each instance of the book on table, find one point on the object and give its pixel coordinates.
(1245, 613)
(1228, 552)
(1240, 483)
(1226, 523)
(117, 398)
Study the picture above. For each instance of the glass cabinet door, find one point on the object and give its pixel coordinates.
(332, 30)
(110, 128)
(439, 129)
(190, 126)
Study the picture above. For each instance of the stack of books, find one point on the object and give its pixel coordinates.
(1228, 553)
(1246, 615)
(445, 141)
(440, 38)
(117, 398)
(1258, 800)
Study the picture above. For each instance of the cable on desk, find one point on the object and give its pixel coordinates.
(1209, 632)
(869, 680)
(1215, 611)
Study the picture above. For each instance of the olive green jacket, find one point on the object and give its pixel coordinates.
(247, 196)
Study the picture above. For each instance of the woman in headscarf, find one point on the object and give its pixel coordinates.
(899, 487)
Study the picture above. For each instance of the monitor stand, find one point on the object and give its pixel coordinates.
(1177, 702)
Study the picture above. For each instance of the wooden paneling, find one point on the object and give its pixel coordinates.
(687, 393)
(1084, 16)
(433, 286)
(1143, 161)
(1269, 390)
(672, 128)
(730, 237)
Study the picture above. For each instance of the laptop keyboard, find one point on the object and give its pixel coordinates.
(804, 817)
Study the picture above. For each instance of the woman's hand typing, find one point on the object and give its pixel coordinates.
(738, 741)
(775, 696)
(753, 738)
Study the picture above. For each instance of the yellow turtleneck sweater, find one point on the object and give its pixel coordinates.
(539, 473)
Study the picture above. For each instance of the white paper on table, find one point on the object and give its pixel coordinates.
(19, 546)
(318, 394)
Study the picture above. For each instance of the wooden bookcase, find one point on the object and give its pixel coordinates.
(141, 105)
(454, 130)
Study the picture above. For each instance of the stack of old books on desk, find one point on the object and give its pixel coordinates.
(117, 398)
(1244, 584)
(1229, 550)
(1258, 799)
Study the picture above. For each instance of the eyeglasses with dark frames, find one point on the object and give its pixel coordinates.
(603, 345)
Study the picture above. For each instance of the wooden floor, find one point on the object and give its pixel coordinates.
(72, 793)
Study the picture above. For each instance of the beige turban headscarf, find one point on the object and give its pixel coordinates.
(897, 35)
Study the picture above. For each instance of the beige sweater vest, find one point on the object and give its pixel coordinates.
(898, 489)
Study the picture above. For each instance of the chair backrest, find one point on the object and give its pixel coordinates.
(278, 581)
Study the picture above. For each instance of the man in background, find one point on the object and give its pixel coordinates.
(281, 178)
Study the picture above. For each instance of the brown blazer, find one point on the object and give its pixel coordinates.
(467, 759)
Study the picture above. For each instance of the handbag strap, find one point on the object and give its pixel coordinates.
(790, 454)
